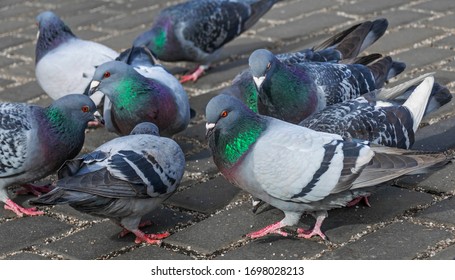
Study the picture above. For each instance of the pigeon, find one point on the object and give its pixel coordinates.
(294, 92)
(139, 90)
(122, 180)
(36, 141)
(196, 30)
(377, 121)
(64, 63)
(343, 47)
(298, 170)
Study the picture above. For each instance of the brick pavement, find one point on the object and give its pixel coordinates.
(411, 218)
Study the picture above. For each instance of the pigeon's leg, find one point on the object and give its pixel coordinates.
(195, 74)
(149, 238)
(301, 233)
(141, 225)
(20, 211)
(273, 228)
(35, 189)
(357, 200)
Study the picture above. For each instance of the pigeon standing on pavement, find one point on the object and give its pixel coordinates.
(140, 92)
(36, 141)
(122, 180)
(196, 30)
(343, 47)
(64, 63)
(294, 92)
(296, 169)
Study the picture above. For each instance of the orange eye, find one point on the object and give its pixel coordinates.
(85, 109)
(107, 74)
(224, 114)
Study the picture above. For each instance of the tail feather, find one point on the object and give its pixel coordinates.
(385, 69)
(418, 100)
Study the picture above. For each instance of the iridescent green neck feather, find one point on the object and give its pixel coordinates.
(159, 41)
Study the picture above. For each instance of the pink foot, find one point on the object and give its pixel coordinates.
(34, 189)
(149, 238)
(124, 231)
(301, 233)
(20, 211)
(273, 228)
(357, 200)
(195, 75)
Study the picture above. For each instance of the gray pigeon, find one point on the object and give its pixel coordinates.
(64, 63)
(296, 169)
(140, 92)
(195, 30)
(292, 92)
(36, 141)
(122, 180)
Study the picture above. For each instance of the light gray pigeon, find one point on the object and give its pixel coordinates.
(195, 30)
(36, 141)
(296, 169)
(64, 63)
(122, 180)
(140, 92)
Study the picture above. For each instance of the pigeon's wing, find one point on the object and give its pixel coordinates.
(15, 130)
(301, 165)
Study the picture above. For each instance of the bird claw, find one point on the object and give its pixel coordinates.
(151, 238)
(307, 234)
(125, 231)
(273, 228)
(357, 200)
(193, 76)
(21, 211)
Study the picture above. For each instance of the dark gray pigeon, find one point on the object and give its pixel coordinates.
(65, 63)
(292, 92)
(36, 141)
(296, 169)
(195, 30)
(140, 91)
(122, 180)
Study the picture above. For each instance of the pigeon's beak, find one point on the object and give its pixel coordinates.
(98, 117)
(209, 127)
(97, 98)
(258, 81)
(93, 87)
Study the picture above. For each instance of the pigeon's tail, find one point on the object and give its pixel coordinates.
(55, 197)
(418, 100)
(365, 60)
(138, 56)
(390, 163)
(352, 41)
(385, 69)
(258, 9)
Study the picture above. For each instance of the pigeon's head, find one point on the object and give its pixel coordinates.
(107, 76)
(77, 107)
(145, 128)
(261, 62)
(223, 112)
(49, 21)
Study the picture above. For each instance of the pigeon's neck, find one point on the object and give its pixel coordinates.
(234, 143)
(128, 92)
(52, 37)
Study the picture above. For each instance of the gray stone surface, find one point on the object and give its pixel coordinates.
(446, 254)
(441, 212)
(152, 253)
(26, 256)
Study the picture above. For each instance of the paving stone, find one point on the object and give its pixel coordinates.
(13, 25)
(442, 212)
(371, 6)
(129, 21)
(221, 230)
(386, 203)
(85, 19)
(71, 212)
(206, 197)
(10, 41)
(26, 256)
(403, 17)
(152, 253)
(429, 137)
(447, 41)
(420, 57)
(26, 231)
(201, 162)
(287, 11)
(446, 21)
(198, 103)
(15, 10)
(278, 249)
(305, 26)
(437, 5)
(121, 42)
(244, 46)
(195, 131)
(401, 240)
(442, 180)
(70, 8)
(96, 137)
(446, 254)
(4, 83)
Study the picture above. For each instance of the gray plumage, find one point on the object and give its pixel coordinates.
(36, 141)
(64, 63)
(296, 169)
(123, 179)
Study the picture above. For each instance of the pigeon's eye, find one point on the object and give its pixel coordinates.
(269, 65)
(107, 74)
(224, 114)
(85, 109)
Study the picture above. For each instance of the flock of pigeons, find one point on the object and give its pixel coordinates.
(305, 132)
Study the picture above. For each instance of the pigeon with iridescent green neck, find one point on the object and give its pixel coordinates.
(296, 169)
(196, 30)
(123, 180)
(36, 141)
(139, 92)
(294, 92)
(65, 64)
(343, 47)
